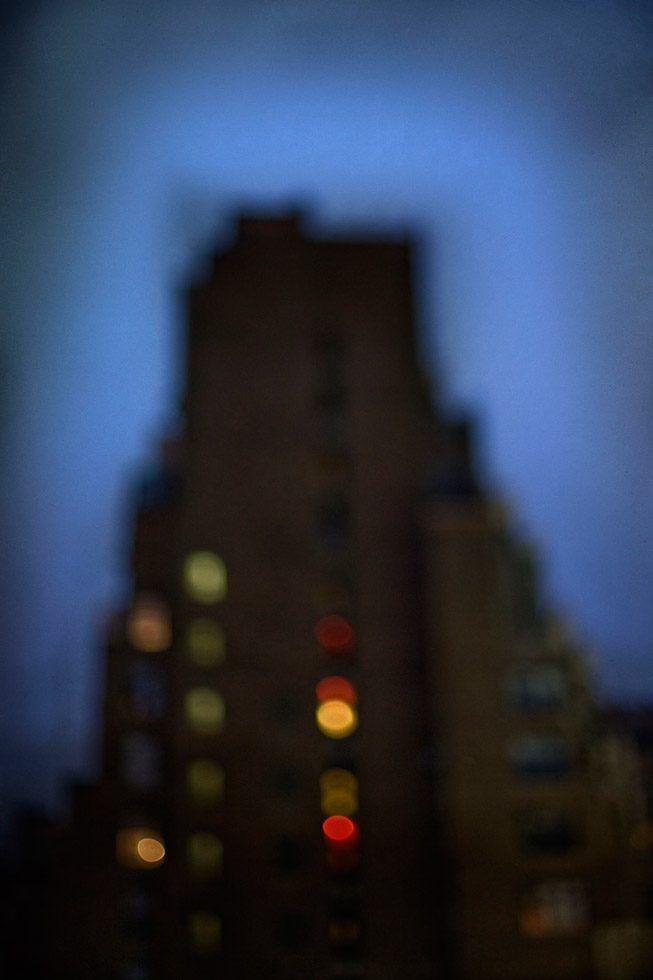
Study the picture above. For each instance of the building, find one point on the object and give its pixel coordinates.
(340, 739)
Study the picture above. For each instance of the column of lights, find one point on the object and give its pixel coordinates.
(336, 716)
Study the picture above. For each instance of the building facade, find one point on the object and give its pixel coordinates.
(340, 739)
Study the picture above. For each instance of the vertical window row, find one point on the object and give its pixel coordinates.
(336, 694)
(205, 713)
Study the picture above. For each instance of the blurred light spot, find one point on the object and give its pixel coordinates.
(339, 792)
(205, 577)
(204, 852)
(205, 780)
(205, 929)
(148, 625)
(344, 932)
(336, 718)
(334, 634)
(205, 642)
(341, 831)
(205, 710)
(139, 847)
(335, 687)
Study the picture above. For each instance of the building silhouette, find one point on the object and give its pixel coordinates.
(341, 737)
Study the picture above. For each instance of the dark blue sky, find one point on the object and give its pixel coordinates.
(515, 138)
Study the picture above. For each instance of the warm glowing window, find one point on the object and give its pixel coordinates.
(334, 634)
(339, 792)
(336, 687)
(140, 847)
(205, 577)
(336, 718)
(554, 908)
(205, 932)
(205, 643)
(204, 854)
(148, 624)
(205, 710)
(205, 781)
(141, 760)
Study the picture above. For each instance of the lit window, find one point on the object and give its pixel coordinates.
(537, 687)
(548, 831)
(205, 710)
(554, 908)
(334, 634)
(205, 643)
(205, 932)
(205, 577)
(335, 687)
(341, 836)
(141, 760)
(204, 852)
(205, 781)
(148, 624)
(336, 718)
(140, 847)
(339, 792)
(545, 756)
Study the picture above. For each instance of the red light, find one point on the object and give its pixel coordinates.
(340, 831)
(334, 634)
(335, 688)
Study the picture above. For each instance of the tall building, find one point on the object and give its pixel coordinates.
(340, 737)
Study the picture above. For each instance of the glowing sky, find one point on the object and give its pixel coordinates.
(515, 138)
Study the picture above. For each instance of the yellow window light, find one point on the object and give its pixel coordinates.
(336, 718)
(205, 577)
(204, 852)
(205, 643)
(205, 710)
(205, 781)
(205, 929)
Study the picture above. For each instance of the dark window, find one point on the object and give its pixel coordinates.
(540, 756)
(289, 853)
(548, 831)
(333, 523)
(292, 929)
(537, 687)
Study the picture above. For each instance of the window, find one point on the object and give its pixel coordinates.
(148, 624)
(537, 687)
(205, 710)
(205, 577)
(338, 792)
(204, 854)
(140, 848)
(333, 523)
(145, 691)
(205, 932)
(548, 831)
(205, 781)
(540, 756)
(141, 760)
(553, 908)
(205, 643)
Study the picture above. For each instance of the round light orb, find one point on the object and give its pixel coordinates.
(336, 718)
(205, 643)
(205, 577)
(205, 710)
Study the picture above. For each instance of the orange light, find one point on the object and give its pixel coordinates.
(336, 719)
(335, 634)
(340, 831)
(338, 688)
